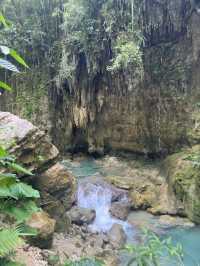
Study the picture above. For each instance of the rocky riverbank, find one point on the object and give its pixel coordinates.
(95, 214)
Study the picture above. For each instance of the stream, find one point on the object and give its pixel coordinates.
(94, 193)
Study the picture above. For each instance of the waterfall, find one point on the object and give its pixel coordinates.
(99, 198)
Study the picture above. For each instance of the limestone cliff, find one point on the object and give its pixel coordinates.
(99, 111)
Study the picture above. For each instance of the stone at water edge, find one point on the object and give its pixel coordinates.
(45, 227)
(184, 181)
(120, 210)
(173, 221)
(121, 182)
(117, 236)
(81, 216)
(58, 190)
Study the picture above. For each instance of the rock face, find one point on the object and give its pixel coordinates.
(184, 181)
(99, 111)
(26, 142)
(147, 189)
(45, 227)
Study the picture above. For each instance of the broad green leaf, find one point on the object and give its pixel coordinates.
(21, 190)
(7, 179)
(22, 212)
(18, 58)
(6, 193)
(5, 50)
(5, 86)
(7, 65)
(20, 169)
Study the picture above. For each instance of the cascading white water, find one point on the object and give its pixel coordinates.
(99, 198)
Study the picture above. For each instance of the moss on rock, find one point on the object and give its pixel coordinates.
(184, 181)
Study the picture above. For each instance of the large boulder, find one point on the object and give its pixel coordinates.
(45, 227)
(58, 188)
(147, 189)
(32, 148)
(29, 144)
(184, 180)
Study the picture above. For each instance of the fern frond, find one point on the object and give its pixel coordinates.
(9, 240)
(26, 230)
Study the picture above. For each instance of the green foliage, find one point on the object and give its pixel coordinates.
(128, 53)
(20, 212)
(16, 201)
(4, 63)
(98, 27)
(194, 158)
(155, 251)
(9, 240)
(5, 262)
(85, 262)
(16, 197)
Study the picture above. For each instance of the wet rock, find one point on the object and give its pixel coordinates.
(171, 221)
(81, 216)
(45, 227)
(120, 210)
(121, 182)
(110, 259)
(142, 219)
(117, 236)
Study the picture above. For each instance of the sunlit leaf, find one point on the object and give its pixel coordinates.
(20, 169)
(5, 86)
(18, 58)
(3, 152)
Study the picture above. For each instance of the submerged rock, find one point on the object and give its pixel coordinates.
(81, 216)
(117, 236)
(120, 210)
(45, 227)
